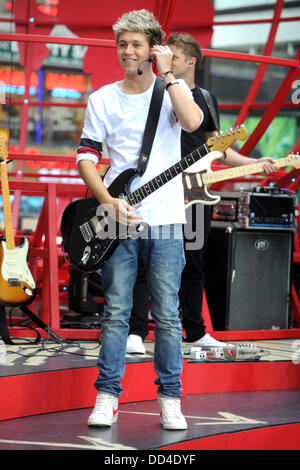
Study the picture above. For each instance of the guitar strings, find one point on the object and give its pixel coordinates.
(195, 155)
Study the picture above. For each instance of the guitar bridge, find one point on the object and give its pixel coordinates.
(86, 232)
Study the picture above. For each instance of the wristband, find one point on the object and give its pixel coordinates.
(166, 73)
(171, 83)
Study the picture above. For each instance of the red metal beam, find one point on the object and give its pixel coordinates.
(296, 147)
(46, 103)
(272, 109)
(249, 57)
(96, 23)
(44, 39)
(48, 158)
(24, 116)
(165, 14)
(50, 242)
(42, 188)
(109, 43)
(261, 105)
(266, 20)
(37, 157)
(260, 73)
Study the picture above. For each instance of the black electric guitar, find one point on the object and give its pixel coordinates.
(90, 235)
(17, 285)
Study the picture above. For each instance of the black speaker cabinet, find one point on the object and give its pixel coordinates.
(248, 277)
(85, 292)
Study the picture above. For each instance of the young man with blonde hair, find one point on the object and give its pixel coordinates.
(116, 114)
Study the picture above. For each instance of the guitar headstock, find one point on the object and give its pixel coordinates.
(3, 144)
(223, 140)
(293, 159)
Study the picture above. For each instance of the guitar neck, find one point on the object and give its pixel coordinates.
(229, 173)
(8, 225)
(137, 196)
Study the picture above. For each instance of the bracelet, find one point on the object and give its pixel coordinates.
(166, 73)
(171, 83)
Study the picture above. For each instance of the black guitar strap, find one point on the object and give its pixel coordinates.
(211, 106)
(151, 125)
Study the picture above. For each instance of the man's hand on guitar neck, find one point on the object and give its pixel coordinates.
(122, 212)
(233, 158)
(269, 165)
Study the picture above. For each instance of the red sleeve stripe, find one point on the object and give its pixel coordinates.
(89, 150)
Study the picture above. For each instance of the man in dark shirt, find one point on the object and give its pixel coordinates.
(187, 57)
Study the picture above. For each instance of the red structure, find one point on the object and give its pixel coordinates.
(34, 23)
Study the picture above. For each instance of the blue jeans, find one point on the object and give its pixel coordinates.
(163, 255)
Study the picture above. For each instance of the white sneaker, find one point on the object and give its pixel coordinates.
(208, 341)
(105, 411)
(135, 345)
(170, 414)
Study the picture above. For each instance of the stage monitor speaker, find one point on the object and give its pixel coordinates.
(85, 292)
(248, 276)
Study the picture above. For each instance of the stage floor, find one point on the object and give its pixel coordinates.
(257, 405)
(138, 428)
(25, 357)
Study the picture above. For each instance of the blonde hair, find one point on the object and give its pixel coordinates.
(141, 21)
(189, 45)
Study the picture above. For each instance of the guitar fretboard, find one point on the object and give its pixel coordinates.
(138, 195)
(8, 225)
(228, 173)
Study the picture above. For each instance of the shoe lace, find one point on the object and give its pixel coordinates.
(171, 406)
(103, 403)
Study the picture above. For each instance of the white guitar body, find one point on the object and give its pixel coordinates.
(195, 190)
(199, 175)
(16, 282)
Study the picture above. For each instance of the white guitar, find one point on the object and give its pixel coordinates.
(17, 285)
(199, 175)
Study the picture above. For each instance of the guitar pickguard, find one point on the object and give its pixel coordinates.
(16, 281)
(195, 191)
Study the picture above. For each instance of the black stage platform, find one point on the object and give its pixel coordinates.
(47, 393)
(216, 416)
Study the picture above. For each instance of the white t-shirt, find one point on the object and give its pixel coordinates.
(119, 119)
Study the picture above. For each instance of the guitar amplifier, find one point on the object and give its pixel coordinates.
(263, 208)
(248, 278)
(85, 292)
